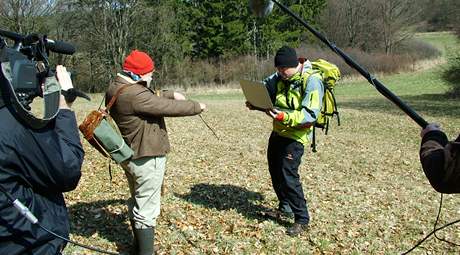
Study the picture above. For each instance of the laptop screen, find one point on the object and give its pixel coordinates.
(256, 94)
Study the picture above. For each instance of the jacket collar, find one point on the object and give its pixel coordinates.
(124, 79)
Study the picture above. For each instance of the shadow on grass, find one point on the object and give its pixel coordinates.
(88, 219)
(429, 104)
(227, 197)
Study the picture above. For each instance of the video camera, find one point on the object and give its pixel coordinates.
(25, 68)
(29, 62)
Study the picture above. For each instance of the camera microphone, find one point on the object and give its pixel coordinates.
(60, 47)
(52, 45)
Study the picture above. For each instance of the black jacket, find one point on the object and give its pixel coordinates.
(441, 161)
(36, 166)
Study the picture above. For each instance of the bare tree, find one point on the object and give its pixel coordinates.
(25, 16)
(108, 26)
(104, 32)
(371, 24)
(397, 18)
(350, 23)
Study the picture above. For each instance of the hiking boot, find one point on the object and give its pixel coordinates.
(296, 229)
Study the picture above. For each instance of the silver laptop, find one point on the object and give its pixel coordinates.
(256, 94)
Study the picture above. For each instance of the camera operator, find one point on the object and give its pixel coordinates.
(440, 159)
(36, 167)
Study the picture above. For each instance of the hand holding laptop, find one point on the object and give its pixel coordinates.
(273, 112)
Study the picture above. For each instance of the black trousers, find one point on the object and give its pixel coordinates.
(284, 156)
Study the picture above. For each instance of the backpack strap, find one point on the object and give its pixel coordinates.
(114, 98)
(313, 142)
(107, 110)
(336, 111)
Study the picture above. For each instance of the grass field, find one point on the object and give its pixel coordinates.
(365, 189)
(442, 40)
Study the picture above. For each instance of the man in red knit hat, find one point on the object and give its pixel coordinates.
(139, 113)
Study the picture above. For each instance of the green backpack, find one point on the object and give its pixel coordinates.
(330, 74)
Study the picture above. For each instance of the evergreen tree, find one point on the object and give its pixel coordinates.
(218, 27)
(280, 28)
(227, 28)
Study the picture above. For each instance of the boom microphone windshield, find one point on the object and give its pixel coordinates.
(261, 8)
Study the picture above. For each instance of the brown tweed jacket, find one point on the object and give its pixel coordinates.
(139, 113)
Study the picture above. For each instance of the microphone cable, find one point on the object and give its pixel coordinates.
(435, 229)
(75, 243)
(436, 223)
(24, 211)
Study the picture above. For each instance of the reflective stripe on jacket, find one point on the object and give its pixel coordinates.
(300, 98)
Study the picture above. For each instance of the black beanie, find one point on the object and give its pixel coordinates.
(286, 57)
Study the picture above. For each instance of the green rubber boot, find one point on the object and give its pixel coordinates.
(145, 238)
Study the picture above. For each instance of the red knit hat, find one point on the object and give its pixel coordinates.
(139, 63)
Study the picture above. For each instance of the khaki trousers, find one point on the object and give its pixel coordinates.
(145, 177)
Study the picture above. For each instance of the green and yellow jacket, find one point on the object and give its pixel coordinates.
(300, 99)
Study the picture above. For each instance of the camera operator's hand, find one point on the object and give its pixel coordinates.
(66, 83)
(430, 127)
(63, 77)
(70, 93)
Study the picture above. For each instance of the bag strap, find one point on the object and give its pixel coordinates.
(313, 142)
(114, 98)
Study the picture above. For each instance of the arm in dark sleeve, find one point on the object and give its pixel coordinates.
(72, 153)
(54, 157)
(436, 163)
(148, 104)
